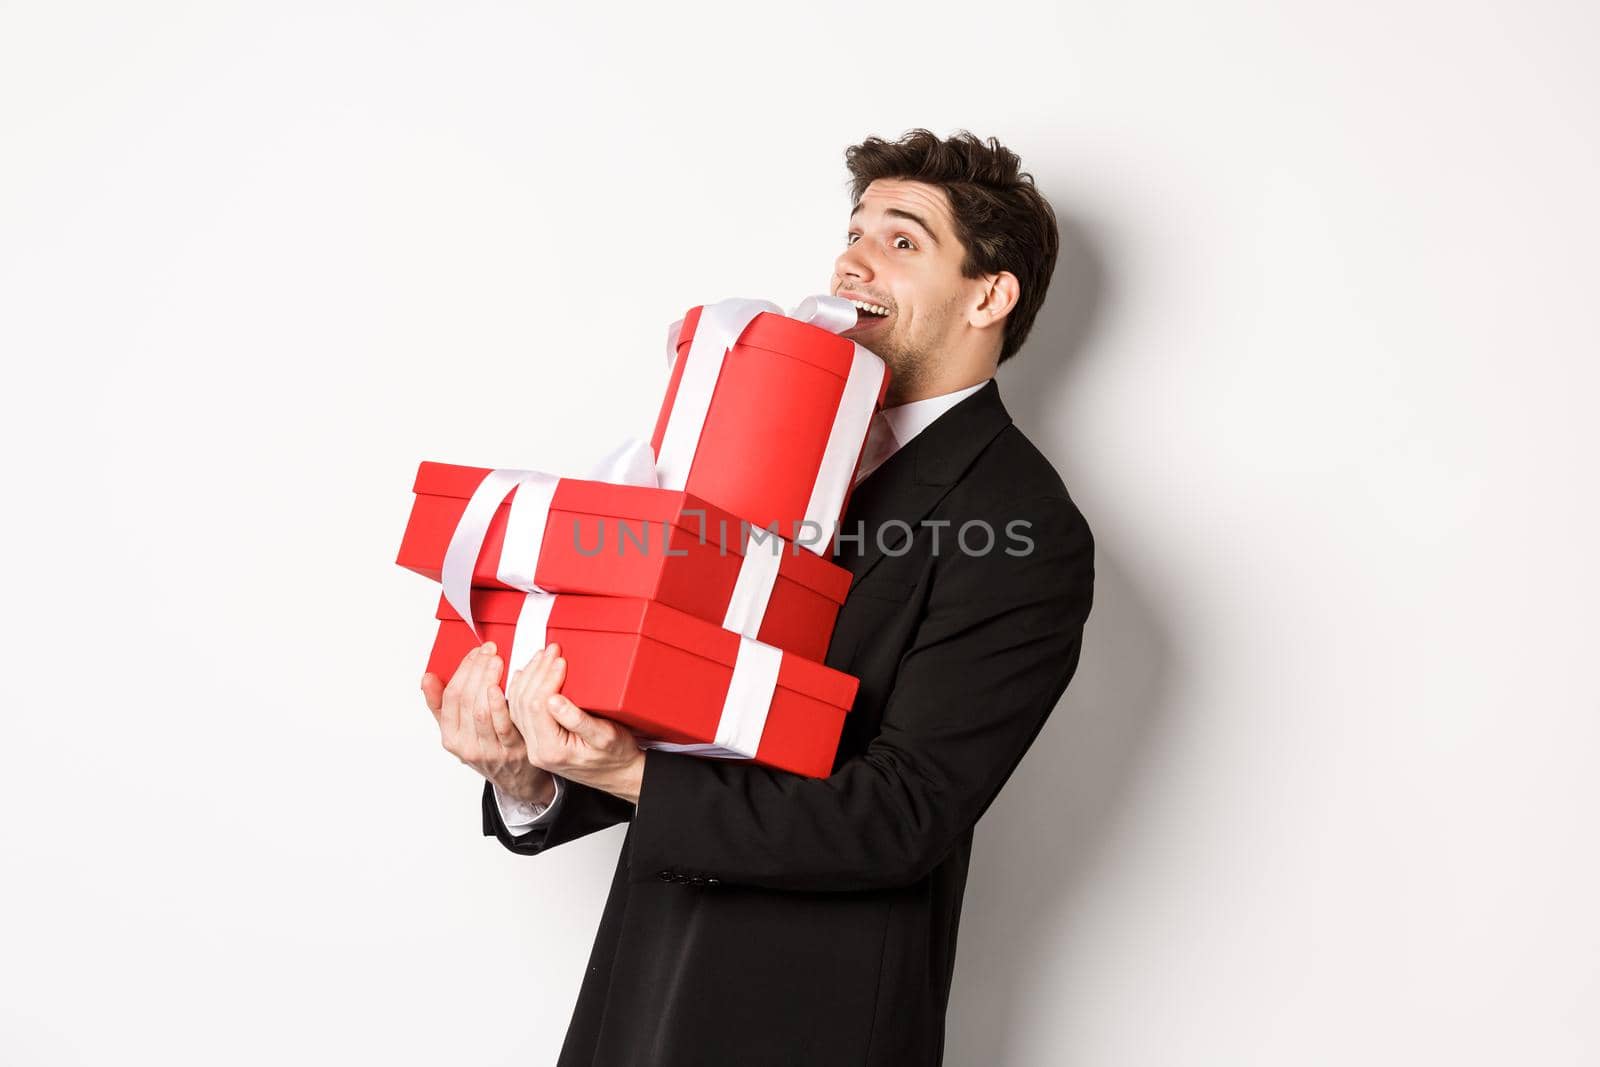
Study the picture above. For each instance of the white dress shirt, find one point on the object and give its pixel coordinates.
(890, 430)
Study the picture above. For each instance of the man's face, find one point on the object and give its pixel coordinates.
(902, 255)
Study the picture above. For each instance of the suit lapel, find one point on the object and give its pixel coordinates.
(911, 482)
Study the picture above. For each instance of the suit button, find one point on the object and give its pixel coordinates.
(665, 876)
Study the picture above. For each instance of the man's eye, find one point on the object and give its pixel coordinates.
(849, 239)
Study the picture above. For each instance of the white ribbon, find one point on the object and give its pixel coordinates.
(744, 708)
(850, 424)
(533, 622)
(631, 463)
(719, 329)
(530, 513)
(758, 573)
(721, 325)
(466, 541)
(832, 313)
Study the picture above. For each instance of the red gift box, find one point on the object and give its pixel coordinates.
(775, 431)
(665, 674)
(635, 541)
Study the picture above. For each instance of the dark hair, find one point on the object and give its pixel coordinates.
(1001, 219)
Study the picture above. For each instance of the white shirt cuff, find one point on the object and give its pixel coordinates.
(520, 815)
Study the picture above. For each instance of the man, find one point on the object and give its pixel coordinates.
(757, 917)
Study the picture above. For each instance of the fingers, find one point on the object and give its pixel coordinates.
(505, 731)
(523, 714)
(601, 734)
(526, 685)
(575, 720)
(517, 688)
(547, 679)
(551, 737)
(498, 733)
(433, 693)
(555, 673)
(450, 709)
(536, 699)
(456, 717)
(518, 684)
(487, 681)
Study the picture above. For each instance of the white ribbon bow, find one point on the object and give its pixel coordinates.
(719, 329)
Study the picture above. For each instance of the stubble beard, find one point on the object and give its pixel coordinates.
(912, 363)
(908, 371)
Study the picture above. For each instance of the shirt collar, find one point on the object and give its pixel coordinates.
(893, 428)
(908, 420)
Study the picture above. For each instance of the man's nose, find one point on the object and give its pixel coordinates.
(852, 266)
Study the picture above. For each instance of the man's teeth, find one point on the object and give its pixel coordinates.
(876, 309)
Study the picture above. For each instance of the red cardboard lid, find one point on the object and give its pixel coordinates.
(786, 337)
(644, 503)
(580, 494)
(657, 621)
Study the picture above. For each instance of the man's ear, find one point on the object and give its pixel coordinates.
(999, 298)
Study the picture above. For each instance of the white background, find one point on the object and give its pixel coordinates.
(1317, 364)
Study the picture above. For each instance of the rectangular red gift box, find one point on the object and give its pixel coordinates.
(658, 671)
(800, 610)
(767, 427)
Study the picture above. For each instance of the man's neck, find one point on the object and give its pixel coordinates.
(931, 390)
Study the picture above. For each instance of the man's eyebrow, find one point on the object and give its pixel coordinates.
(901, 214)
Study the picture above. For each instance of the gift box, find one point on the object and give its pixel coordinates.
(766, 415)
(679, 682)
(598, 538)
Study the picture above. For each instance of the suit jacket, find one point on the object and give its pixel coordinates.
(758, 917)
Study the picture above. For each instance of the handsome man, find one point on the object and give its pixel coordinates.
(758, 917)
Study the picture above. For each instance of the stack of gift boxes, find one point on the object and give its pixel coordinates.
(687, 581)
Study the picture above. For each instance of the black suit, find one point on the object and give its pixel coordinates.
(758, 917)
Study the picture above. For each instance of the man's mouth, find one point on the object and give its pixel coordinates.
(866, 320)
(868, 314)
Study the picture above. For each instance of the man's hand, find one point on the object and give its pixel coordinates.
(564, 739)
(475, 726)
